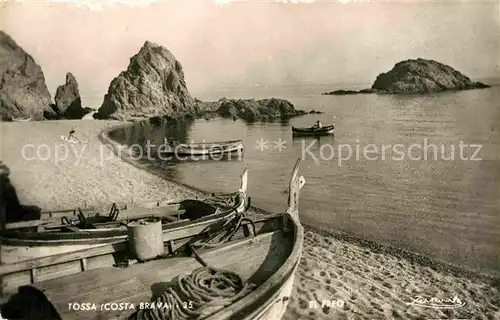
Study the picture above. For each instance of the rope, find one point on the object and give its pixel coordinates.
(203, 292)
(220, 201)
(206, 290)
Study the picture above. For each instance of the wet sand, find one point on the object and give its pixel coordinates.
(348, 278)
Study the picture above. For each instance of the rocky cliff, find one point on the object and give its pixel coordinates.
(418, 76)
(68, 103)
(152, 85)
(23, 92)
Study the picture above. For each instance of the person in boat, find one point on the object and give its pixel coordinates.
(318, 125)
(170, 142)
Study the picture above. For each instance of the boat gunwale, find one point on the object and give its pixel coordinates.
(202, 151)
(229, 142)
(312, 130)
(23, 238)
(205, 149)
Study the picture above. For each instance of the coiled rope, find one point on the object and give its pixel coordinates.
(201, 293)
(206, 290)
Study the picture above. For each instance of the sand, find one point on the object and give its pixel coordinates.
(347, 279)
(89, 173)
(354, 282)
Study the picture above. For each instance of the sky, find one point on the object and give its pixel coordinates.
(248, 43)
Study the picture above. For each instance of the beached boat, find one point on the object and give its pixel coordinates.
(205, 149)
(180, 219)
(248, 277)
(73, 216)
(312, 131)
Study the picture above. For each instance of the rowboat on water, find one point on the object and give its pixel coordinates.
(208, 149)
(178, 220)
(248, 276)
(313, 131)
(22, 119)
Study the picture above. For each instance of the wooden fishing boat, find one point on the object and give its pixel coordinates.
(204, 149)
(187, 217)
(312, 131)
(249, 276)
(73, 216)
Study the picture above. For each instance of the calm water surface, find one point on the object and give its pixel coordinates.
(446, 209)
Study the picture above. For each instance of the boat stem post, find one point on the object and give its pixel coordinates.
(244, 180)
(296, 183)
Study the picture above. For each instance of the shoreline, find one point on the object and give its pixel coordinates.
(415, 257)
(118, 151)
(374, 281)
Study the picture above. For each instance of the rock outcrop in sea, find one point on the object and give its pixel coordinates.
(251, 109)
(68, 103)
(418, 76)
(153, 85)
(23, 92)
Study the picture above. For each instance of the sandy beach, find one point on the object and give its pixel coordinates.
(355, 282)
(55, 174)
(347, 280)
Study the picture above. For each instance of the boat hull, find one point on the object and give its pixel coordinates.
(328, 130)
(23, 246)
(204, 149)
(276, 308)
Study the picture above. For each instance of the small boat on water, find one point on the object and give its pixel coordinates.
(179, 220)
(204, 149)
(314, 131)
(248, 276)
(22, 119)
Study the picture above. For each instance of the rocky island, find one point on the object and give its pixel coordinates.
(250, 109)
(153, 86)
(418, 76)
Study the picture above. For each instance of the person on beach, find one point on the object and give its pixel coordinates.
(71, 137)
